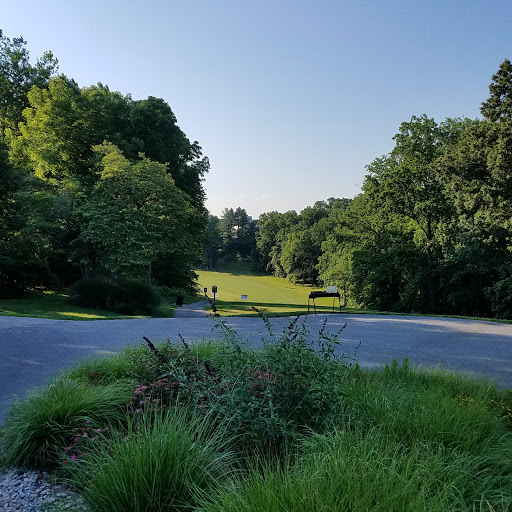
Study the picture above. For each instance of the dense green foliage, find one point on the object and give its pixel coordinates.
(432, 229)
(289, 245)
(125, 296)
(230, 236)
(92, 182)
(293, 425)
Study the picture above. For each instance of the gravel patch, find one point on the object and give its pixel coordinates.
(31, 491)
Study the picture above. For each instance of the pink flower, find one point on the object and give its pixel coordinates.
(138, 411)
(74, 457)
(87, 421)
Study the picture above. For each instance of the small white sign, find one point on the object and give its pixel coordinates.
(243, 297)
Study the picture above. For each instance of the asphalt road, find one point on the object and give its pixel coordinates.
(34, 349)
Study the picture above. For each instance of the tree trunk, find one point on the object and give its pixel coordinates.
(432, 300)
(86, 271)
(53, 278)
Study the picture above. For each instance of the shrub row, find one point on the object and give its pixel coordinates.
(125, 296)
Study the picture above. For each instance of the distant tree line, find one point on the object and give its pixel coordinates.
(431, 230)
(92, 182)
(232, 235)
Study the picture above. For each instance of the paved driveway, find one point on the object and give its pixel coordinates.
(33, 349)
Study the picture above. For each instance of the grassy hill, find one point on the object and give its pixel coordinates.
(272, 295)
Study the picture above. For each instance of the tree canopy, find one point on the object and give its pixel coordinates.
(498, 107)
(92, 181)
(431, 230)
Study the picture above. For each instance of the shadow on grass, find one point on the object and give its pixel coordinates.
(52, 306)
(237, 268)
(232, 308)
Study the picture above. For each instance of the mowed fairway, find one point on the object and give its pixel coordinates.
(271, 295)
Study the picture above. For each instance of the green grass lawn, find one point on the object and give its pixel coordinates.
(273, 296)
(55, 306)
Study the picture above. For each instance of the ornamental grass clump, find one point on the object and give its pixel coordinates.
(166, 461)
(434, 406)
(365, 471)
(358, 470)
(39, 427)
(102, 370)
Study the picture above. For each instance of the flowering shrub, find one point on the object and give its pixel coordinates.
(267, 397)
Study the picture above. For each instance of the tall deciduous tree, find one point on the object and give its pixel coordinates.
(478, 178)
(63, 122)
(57, 137)
(273, 228)
(56, 195)
(17, 76)
(154, 125)
(405, 183)
(136, 214)
(299, 257)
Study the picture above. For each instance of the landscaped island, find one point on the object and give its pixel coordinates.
(219, 426)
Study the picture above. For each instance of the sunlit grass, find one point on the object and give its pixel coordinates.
(275, 296)
(52, 305)
(272, 295)
(81, 316)
(55, 306)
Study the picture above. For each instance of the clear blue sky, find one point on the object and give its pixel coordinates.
(289, 99)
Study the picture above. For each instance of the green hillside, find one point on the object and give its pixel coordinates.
(271, 295)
